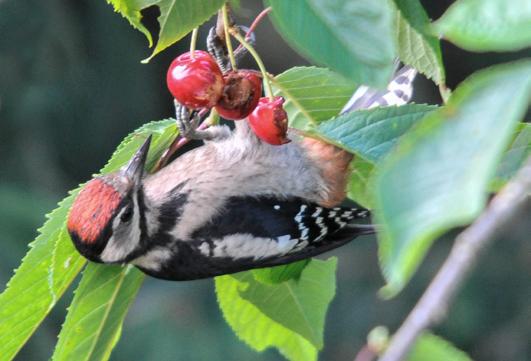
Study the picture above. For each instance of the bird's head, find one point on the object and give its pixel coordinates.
(106, 221)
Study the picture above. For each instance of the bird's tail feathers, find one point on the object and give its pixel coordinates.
(399, 92)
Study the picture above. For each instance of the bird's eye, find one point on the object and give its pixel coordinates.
(126, 215)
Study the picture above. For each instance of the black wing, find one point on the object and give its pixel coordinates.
(260, 232)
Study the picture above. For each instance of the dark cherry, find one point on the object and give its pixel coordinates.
(241, 93)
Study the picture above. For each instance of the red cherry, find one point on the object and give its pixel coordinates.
(196, 82)
(241, 93)
(269, 121)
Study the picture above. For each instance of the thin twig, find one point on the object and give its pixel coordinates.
(254, 24)
(434, 303)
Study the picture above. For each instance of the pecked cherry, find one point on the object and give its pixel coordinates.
(241, 93)
(269, 121)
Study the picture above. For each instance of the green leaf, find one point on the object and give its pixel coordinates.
(487, 25)
(279, 274)
(417, 47)
(514, 157)
(359, 187)
(438, 176)
(43, 276)
(372, 133)
(130, 9)
(94, 319)
(289, 316)
(176, 19)
(52, 262)
(354, 38)
(312, 95)
(434, 348)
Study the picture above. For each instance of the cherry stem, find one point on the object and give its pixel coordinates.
(252, 51)
(193, 42)
(255, 23)
(226, 26)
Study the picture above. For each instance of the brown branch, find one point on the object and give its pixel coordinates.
(434, 303)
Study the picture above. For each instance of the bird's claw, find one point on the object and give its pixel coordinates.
(188, 122)
(218, 49)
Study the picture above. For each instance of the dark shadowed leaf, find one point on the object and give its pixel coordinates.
(487, 25)
(372, 133)
(416, 46)
(514, 157)
(354, 38)
(177, 18)
(359, 184)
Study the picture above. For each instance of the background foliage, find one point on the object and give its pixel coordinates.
(75, 87)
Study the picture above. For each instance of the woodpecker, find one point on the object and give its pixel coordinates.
(232, 204)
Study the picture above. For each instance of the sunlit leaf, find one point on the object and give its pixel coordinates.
(438, 176)
(288, 316)
(95, 316)
(434, 348)
(312, 95)
(279, 274)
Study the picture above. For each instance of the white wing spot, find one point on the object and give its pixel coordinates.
(317, 212)
(204, 249)
(340, 222)
(276, 206)
(285, 243)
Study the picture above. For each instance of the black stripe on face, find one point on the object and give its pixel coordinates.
(143, 242)
(169, 214)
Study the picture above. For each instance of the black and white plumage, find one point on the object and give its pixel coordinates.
(233, 204)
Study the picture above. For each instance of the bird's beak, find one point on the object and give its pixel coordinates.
(134, 170)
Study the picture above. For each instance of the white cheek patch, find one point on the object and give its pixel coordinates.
(125, 238)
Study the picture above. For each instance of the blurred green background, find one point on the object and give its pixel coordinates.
(72, 86)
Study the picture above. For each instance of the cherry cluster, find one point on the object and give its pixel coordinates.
(196, 81)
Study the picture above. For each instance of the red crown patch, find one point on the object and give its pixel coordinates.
(92, 210)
